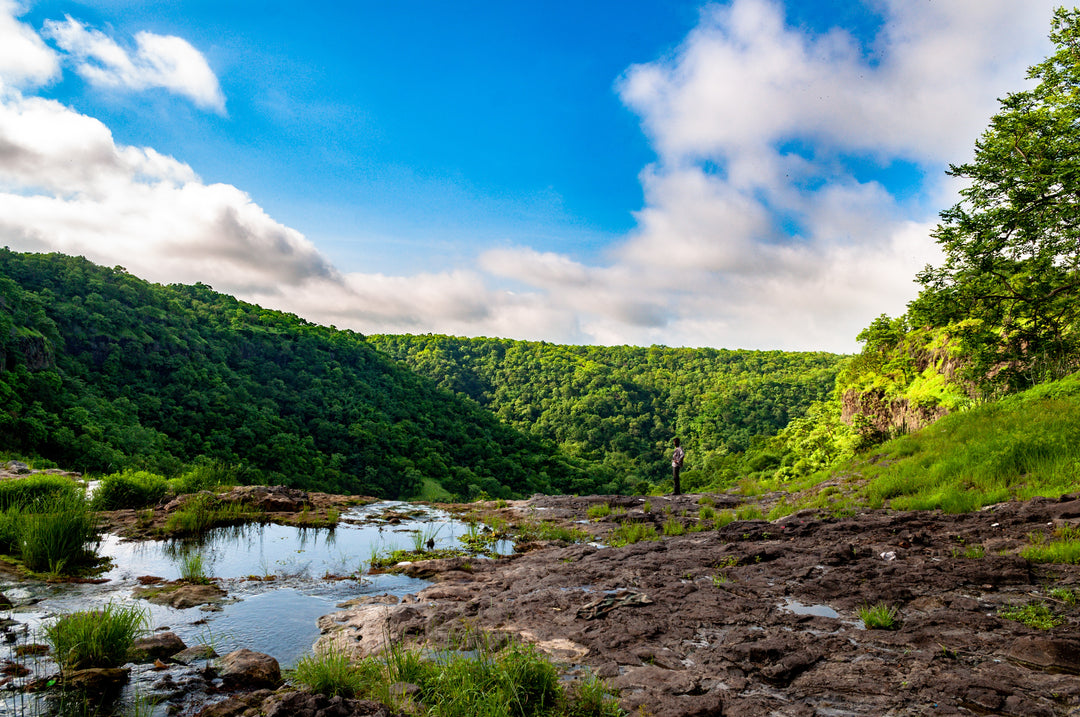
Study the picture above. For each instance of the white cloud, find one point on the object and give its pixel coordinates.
(66, 186)
(25, 60)
(163, 61)
(757, 231)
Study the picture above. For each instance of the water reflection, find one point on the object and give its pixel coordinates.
(276, 578)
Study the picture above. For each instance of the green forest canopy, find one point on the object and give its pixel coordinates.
(620, 406)
(100, 371)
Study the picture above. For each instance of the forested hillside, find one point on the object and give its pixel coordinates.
(100, 370)
(620, 406)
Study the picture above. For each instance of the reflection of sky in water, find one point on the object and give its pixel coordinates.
(276, 617)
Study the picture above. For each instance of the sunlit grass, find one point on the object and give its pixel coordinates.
(1024, 446)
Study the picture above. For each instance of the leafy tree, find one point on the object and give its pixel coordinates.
(1010, 282)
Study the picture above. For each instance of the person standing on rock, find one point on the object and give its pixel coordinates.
(677, 457)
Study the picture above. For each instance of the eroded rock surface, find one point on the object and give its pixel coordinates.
(761, 618)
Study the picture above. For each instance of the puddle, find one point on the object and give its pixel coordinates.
(796, 607)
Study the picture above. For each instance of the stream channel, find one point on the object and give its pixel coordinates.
(275, 616)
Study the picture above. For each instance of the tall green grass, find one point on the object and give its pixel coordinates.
(485, 681)
(1024, 446)
(204, 511)
(56, 533)
(95, 638)
(630, 533)
(207, 476)
(24, 492)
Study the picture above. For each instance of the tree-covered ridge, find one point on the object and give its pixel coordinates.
(621, 405)
(101, 370)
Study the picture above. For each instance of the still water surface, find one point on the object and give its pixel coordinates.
(276, 616)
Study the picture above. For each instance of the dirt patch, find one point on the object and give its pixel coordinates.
(761, 618)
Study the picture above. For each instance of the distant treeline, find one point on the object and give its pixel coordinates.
(620, 406)
(100, 371)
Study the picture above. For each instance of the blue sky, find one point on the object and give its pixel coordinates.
(745, 174)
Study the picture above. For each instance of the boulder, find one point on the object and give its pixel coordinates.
(156, 646)
(96, 680)
(181, 596)
(249, 669)
(307, 704)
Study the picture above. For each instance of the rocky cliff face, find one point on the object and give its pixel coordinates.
(32, 351)
(887, 417)
(893, 411)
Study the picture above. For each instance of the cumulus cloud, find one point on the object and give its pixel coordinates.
(65, 185)
(761, 227)
(163, 61)
(25, 60)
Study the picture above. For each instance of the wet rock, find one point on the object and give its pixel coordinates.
(236, 705)
(361, 631)
(716, 637)
(194, 654)
(5, 603)
(247, 668)
(96, 680)
(426, 569)
(369, 600)
(1047, 653)
(158, 645)
(271, 499)
(17, 467)
(181, 596)
(307, 704)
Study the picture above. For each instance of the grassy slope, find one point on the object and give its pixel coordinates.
(1023, 446)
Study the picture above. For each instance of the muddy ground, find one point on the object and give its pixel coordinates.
(760, 618)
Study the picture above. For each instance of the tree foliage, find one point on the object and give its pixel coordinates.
(1010, 282)
(102, 371)
(620, 406)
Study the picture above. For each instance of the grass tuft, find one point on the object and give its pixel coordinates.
(1034, 614)
(879, 616)
(95, 638)
(630, 533)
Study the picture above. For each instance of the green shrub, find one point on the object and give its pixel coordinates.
(1064, 548)
(54, 536)
(540, 530)
(748, 511)
(129, 489)
(592, 698)
(725, 517)
(673, 526)
(205, 511)
(25, 492)
(601, 510)
(95, 638)
(207, 476)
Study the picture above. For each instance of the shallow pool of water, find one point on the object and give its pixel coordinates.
(276, 616)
